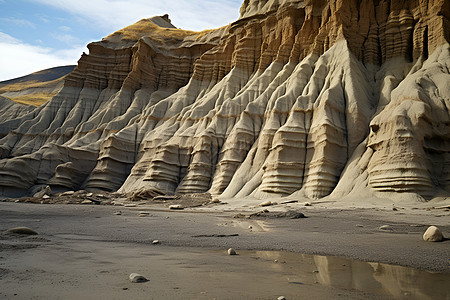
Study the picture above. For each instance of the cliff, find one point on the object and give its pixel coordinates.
(303, 98)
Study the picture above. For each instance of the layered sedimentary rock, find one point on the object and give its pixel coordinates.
(302, 98)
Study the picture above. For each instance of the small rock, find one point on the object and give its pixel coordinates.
(250, 227)
(136, 278)
(176, 207)
(143, 214)
(118, 213)
(155, 242)
(231, 251)
(385, 227)
(68, 193)
(433, 234)
(46, 197)
(89, 194)
(266, 203)
(215, 201)
(359, 225)
(315, 271)
(86, 202)
(281, 298)
(45, 191)
(307, 204)
(21, 230)
(129, 205)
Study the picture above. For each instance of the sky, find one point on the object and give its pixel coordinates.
(41, 34)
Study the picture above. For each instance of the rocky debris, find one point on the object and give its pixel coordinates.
(143, 214)
(86, 201)
(69, 193)
(266, 214)
(145, 194)
(433, 234)
(215, 201)
(231, 251)
(47, 191)
(137, 278)
(176, 207)
(266, 203)
(118, 213)
(155, 242)
(21, 230)
(386, 228)
(281, 298)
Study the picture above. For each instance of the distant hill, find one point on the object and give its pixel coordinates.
(36, 88)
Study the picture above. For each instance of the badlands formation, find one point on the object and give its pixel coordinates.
(307, 99)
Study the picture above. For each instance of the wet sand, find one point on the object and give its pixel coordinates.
(88, 252)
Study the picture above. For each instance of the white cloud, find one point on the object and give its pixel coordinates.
(65, 28)
(66, 38)
(18, 22)
(112, 15)
(18, 58)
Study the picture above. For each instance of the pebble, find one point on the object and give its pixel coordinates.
(231, 251)
(136, 278)
(282, 298)
(118, 213)
(21, 230)
(307, 204)
(385, 227)
(46, 197)
(155, 242)
(86, 202)
(130, 205)
(143, 214)
(265, 203)
(90, 194)
(68, 193)
(433, 234)
(176, 206)
(215, 201)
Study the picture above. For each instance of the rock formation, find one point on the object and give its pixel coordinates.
(304, 98)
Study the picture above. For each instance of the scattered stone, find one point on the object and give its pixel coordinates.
(394, 209)
(215, 201)
(359, 225)
(315, 271)
(86, 202)
(385, 227)
(176, 207)
(130, 205)
(89, 194)
(433, 234)
(45, 191)
(265, 203)
(155, 242)
(136, 278)
(250, 227)
(118, 213)
(143, 214)
(307, 204)
(282, 298)
(46, 197)
(21, 230)
(231, 251)
(68, 193)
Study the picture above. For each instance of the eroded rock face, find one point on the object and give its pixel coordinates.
(309, 98)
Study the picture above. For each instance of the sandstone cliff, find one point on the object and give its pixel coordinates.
(304, 98)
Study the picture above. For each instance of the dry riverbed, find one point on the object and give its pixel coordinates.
(88, 251)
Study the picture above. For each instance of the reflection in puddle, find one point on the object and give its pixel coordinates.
(376, 278)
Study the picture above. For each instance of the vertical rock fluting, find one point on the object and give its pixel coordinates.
(289, 99)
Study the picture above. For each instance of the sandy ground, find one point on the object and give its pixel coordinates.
(88, 251)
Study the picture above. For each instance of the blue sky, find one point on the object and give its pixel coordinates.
(40, 34)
